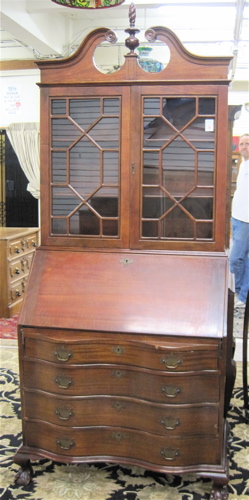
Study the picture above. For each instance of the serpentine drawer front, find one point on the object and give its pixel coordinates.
(84, 411)
(170, 356)
(128, 443)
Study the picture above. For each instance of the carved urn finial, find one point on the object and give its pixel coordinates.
(132, 41)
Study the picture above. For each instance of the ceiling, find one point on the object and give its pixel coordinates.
(38, 29)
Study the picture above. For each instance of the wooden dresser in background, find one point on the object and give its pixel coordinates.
(125, 335)
(17, 246)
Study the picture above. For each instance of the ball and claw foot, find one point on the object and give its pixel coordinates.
(219, 493)
(24, 476)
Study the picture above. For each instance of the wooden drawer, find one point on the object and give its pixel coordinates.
(122, 412)
(118, 380)
(126, 443)
(17, 289)
(23, 244)
(20, 267)
(156, 356)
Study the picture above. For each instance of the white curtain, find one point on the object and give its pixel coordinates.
(25, 140)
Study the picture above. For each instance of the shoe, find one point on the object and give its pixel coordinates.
(239, 304)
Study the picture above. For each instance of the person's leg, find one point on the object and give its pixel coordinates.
(239, 256)
(244, 287)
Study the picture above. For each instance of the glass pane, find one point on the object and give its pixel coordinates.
(206, 106)
(199, 207)
(89, 222)
(89, 169)
(59, 226)
(85, 166)
(154, 201)
(150, 229)
(59, 167)
(110, 167)
(64, 201)
(157, 132)
(201, 129)
(64, 133)
(178, 162)
(105, 203)
(205, 169)
(178, 170)
(152, 106)
(85, 111)
(58, 106)
(179, 110)
(151, 167)
(110, 227)
(106, 132)
(204, 230)
(177, 224)
(111, 106)
(74, 224)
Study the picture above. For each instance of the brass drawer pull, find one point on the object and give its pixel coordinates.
(63, 381)
(17, 271)
(18, 294)
(34, 244)
(171, 391)
(171, 361)
(169, 453)
(17, 250)
(63, 413)
(65, 444)
(170, 423)
(62, 354)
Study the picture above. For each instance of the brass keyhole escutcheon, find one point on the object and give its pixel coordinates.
(118, 350)
(126, 262)
(118, 436)
(118, 406)
(119, 373)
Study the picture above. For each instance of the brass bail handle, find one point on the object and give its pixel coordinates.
(62, 354)
(172, 361)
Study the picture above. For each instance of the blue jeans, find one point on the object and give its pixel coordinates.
(239, 257)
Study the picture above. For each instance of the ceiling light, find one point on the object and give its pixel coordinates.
(89, 4)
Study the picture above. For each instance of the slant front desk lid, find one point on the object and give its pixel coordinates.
(128, 292)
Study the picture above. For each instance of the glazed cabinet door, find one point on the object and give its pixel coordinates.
(178, 168)
(85, 144)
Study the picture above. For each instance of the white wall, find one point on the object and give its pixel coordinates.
(19, 97)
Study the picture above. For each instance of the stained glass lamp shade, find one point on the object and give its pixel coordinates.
(89, 4)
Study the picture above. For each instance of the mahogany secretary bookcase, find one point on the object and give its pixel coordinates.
(125, 335)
